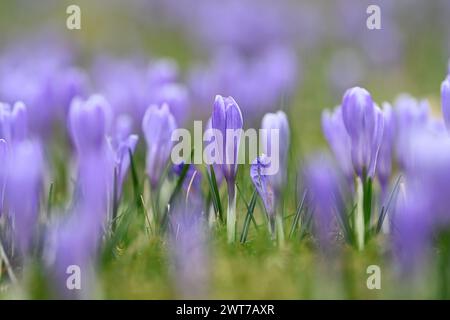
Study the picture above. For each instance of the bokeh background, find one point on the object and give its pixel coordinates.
(294, 55)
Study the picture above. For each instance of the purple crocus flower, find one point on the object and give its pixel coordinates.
(25, 167)
(339, 141)
(176, 97)
(189, 251)
(13, 122)
(227, 121)
(227, 124)
(445, 97)
(322, 184)
(158, 125)
(3, 159)
(264, 184)
(277, 121)
(88, 123)
(364, 123)
(384, 164)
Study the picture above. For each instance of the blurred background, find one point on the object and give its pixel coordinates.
(295, 55)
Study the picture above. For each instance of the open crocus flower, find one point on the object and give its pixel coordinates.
(88, 123)
(264, 184)
(277, 121)
(158, 125)
(227, 123)
(364, 123)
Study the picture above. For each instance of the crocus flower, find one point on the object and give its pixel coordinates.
(3, 159)
(277, 121)
(191, 183)
(338, 139)
(264, 184)
(227, 124)
(364, 123)
(227, 120)
(189, 251)
(25, 167)
(321, 182)
(88, 123)
(445, 99)
(384, 164)
(13, 122)
(158, 125)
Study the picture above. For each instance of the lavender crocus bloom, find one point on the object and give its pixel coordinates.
(227, 120)
(3, 159)
(189, 252)
(338, 139)
(158, 125)
(445, 100)
(322, 184)
(384, 164)
(23, 190)
(227, 124)
(176, 97)
(218, 173)
(88, 123)
(277, 121)
(13, 122)
(265, 185)
(364, 123)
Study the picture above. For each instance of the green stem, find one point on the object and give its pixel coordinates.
(231, 213)
(359, 214)
(280, 229)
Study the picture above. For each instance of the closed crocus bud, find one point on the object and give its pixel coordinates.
(338, 139)
(384, 163)
(121, 153)
(322, 184)
(364, 123)
(227, 120)
(13, 122)
(264, 184)
(445, 100)
(158, 125)
(277, 150)
(88, 123)
(23, 190)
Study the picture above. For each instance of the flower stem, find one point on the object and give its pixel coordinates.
(231, 213)
(280, 229)
(359, 215)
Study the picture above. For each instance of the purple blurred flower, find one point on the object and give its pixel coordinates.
(445, 96)
(384, 163)
(89, 123)
(158, 125)
(3, 160)
(176, 97)
(25, 168)
(277, 121)
(227, 119)
(338, 139)
(264, 184)
(189, 252)
(364, 123)
(322, 184)
(13, 122)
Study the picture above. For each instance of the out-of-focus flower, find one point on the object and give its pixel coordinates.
(158, 125)
(88, 123)
(445, 99)
(24, 172)
(264, 184)
(189, 252)
(3, 159)
(277, 121)
(384, 164)
(191, 183)
(176, 97)
(338, 139)
(364, 123)
(322, 184)
(227, 119)
(13, 122)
